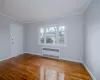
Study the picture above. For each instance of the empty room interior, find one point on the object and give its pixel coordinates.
(49, 39)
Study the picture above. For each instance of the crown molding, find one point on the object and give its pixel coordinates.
(87, 5)
(10, 17)
(69, 14)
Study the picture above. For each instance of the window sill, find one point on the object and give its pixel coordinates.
(54, 45)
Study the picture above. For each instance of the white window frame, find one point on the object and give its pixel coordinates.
(47, 26)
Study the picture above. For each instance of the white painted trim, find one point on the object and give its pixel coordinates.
(5, 59)
(57, 44)
(18, 55)
(9, 57)
(53, 45)
(40, 54)
(77, 61)
(91, 74)
(67, 15)
(10, 17)
(87, 5)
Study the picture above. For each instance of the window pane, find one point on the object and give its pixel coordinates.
(51, 35)
(61, 34)
(42, 35)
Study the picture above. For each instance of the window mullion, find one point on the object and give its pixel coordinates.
(44, 35)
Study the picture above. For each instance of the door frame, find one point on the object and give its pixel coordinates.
(11, 40)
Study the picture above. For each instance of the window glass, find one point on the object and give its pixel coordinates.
(61, 34)
(42, 35)
(51, 35)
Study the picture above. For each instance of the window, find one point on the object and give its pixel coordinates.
(53, 35)
(42, 35)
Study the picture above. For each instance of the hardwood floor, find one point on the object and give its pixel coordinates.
(32, 67)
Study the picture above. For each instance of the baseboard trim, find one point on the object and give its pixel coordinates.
(39, 54)
(93, 77)
(8, 58)
(5, 59)
(71, 60)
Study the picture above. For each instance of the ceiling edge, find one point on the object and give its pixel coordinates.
(10, 17)
(70, 14)
(87, 5)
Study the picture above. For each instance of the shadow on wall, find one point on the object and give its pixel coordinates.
(95, 51)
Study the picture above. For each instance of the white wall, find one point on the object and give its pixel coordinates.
(92, 41)
(74, 48)
(5, 51)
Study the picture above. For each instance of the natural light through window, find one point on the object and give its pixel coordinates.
(54, 35)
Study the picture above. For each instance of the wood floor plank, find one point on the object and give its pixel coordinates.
(33, 67)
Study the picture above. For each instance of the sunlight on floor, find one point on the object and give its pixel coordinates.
(50, 74)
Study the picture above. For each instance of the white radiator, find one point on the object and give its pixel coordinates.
(51, 53)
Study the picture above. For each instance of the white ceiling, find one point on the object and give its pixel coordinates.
(40, 10)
